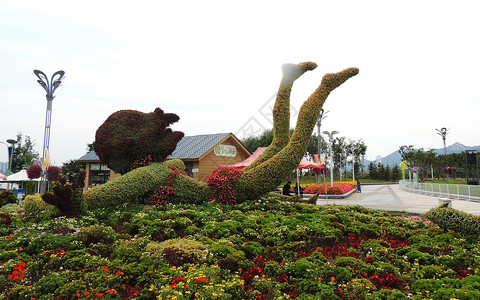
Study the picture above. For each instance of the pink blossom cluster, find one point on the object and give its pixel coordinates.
(338, 188)
(221, 182)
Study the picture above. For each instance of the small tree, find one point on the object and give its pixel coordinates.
(24, 153)
(73, 165)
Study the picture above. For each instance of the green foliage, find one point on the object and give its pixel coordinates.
(128, 136)
(188, 246)
(35, 207)
(7, 197)
(140, 182)
(67, 194)
(451, 219)
(24, 154)
(96, 234)
(255, 249)
(73, 165)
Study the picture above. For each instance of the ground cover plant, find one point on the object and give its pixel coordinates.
(266, 249)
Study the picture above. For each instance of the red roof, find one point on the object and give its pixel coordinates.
(304, 164)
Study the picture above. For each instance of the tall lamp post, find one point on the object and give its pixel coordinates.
(443, 133)
(330, 136)
(323, 115)
(49, 87)
(11, 150)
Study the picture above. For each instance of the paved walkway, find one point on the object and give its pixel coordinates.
(391, 198)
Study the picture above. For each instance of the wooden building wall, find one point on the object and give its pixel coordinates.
(209, 161)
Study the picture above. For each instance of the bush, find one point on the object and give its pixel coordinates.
(7, 197)
(451, 219)
(35, 207)
(67, 194)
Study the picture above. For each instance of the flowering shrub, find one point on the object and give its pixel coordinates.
(221, 182)
(142, 162)
(160, 196)
(251, 250)
(336, 189)
(34, 171)
(53, 173)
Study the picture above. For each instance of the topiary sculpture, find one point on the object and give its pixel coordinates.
(261, 177)
(128, 136)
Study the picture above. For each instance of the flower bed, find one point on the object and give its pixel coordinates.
(338, 188)
(263, 249)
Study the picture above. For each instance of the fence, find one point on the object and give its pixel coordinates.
(451, 191)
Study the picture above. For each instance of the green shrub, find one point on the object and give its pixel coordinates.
(35, 207)
(96, 234)
(7, 197)
(190, 247)
(451, 219)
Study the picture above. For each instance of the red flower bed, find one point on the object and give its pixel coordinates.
(337, 189)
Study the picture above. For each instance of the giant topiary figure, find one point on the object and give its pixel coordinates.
(128, 136)
(262, 176)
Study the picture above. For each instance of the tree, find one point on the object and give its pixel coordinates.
(262, 140)
(373, 171)
(396, 173)
(73, 165)
(24, 154)
(262, 176)
(128, 136)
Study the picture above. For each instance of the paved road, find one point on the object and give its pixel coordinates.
(391, 198)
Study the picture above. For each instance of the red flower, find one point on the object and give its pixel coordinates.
(201, 279)
(34, 171)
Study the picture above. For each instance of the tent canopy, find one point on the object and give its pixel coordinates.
(304, 164)
(20, 176)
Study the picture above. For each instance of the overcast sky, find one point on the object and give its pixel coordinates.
(217, 65)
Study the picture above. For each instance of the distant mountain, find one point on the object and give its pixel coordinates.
(394, 158)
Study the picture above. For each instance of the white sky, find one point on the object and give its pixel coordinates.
(217, 64)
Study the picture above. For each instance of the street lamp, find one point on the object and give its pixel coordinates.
(323, 115)
(443, 133)
(330, 136)
(11, 150)
(49, 87)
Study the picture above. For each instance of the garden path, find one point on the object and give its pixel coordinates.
(389, 197)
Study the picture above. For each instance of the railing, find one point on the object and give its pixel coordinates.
(451, 191)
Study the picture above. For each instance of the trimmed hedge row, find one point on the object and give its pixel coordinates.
(448, 218)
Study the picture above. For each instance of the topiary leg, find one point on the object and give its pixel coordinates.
(268, 175)
(281, 110)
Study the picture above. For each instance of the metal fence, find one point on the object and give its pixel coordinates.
(451, 191)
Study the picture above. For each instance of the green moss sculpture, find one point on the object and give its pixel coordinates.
(262, 176)
(129, 136)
